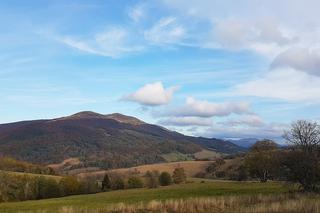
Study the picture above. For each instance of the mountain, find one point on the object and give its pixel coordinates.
(99, 141)
(245, 142)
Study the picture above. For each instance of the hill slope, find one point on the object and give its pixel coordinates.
(102, 141)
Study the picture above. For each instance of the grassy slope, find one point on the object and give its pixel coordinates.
(196, 189)
(207, 154)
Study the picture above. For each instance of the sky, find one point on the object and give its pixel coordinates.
(213, 68)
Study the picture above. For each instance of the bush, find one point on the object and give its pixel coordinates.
(117, 183)
(165, 179)
(135, 182)
(220, 174)
(212, 168)
(179, 176)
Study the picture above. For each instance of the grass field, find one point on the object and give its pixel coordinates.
(190, 167)
(136, 196)
(207, 154)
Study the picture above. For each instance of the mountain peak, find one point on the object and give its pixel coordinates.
(124, 118)
(87, 114)
(114, 116)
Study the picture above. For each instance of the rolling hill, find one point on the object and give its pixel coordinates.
(99, 141)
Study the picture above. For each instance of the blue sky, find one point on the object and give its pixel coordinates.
(209, 68)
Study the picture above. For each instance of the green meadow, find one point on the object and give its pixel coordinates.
(196, 188)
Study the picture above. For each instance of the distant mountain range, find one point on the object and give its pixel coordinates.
(100, 141)
(245, 142)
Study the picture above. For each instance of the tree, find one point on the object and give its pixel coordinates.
(47, 188)
(302, 162)
(118, 184)
(106, 183)
(89, 185)
(304, 135)
(179, 176)
(165, 179)
(261, 160)
(152, 179)
(135, 182)
(303, 168)
(69, 186)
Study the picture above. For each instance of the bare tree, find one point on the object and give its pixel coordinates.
(302, 163)
(304, 135)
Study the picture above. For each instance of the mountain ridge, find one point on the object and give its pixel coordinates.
(104, 141)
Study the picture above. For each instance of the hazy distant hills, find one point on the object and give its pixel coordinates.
(101, 141)
(245, 142)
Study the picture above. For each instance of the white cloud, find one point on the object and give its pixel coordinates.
(285, 84)
(153, 94)
(113, 42)
(267, 28)
(245, 120)
(165, 31)
(304, 59)
(293, 12)
(137, 12)
(199, 108)
(263, 37)
(271, 131)
(186, 121)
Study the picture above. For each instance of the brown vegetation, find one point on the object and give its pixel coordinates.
(191, 168)
(285, 203)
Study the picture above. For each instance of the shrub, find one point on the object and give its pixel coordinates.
(220, 174)
(117, 182)
(135, 182)
(165, 179)
(200, 175)
(179, 176)
(212, 168)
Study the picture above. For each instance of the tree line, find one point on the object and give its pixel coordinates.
(298, 162)
(32, 187)
(151, 179)
(15, 187)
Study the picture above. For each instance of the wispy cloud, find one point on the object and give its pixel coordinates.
(137, 12)
(252, 120)
(186, 121)
(165, 31)
(113, 42)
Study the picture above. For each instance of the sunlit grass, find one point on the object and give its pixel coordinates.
(135, 196)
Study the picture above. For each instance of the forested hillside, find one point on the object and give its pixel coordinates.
(99, 141)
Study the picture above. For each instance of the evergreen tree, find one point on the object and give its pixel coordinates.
(106, 183)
